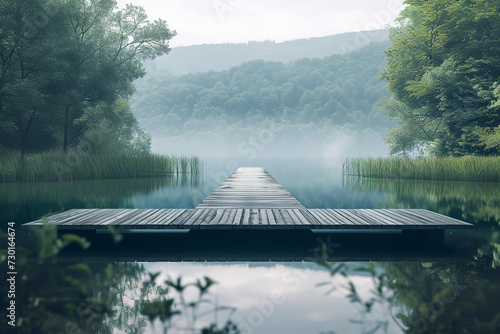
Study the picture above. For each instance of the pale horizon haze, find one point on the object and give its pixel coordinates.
(239, 21)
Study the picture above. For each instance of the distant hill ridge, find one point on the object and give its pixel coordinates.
(306, 107)
(217, 57)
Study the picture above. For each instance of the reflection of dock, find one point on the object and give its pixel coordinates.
(252, 199)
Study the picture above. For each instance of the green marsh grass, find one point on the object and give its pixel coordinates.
(58, 166)
(468, 168)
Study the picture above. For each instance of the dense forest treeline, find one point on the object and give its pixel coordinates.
(297, 108)
(67, 74)
(217, 57)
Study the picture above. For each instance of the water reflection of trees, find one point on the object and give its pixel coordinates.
(471, 201)
(474, 202)
(76, 297)
(57, 298)
(25, 202)
(446, 298)
(426, 297)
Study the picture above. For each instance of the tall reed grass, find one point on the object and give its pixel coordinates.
(58, 166)
(468, 168)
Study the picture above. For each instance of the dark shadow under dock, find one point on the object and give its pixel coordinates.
(251, 245)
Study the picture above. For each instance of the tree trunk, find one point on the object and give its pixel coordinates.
(23, 134)
(66, 129)
(22, 137)
(25, 131)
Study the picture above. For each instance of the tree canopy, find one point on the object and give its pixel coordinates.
(443, 69)
(68, 66)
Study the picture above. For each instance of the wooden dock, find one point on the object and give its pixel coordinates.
(250, 188)
(252, 199)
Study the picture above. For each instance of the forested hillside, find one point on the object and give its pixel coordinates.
(218, 57)
(308, 106)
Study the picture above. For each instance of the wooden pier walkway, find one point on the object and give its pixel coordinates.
(252, 199)
(250, 188)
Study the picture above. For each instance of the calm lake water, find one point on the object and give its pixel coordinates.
(459, 294)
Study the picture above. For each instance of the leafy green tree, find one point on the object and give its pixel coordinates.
(64, 64)
(111, 46)
(442, 69)
(111, 128)
(490, 137)
(30, 43)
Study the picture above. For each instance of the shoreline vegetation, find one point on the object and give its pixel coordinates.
(58, 166)
(467, 168)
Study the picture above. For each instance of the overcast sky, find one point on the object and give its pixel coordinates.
(237, 21)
